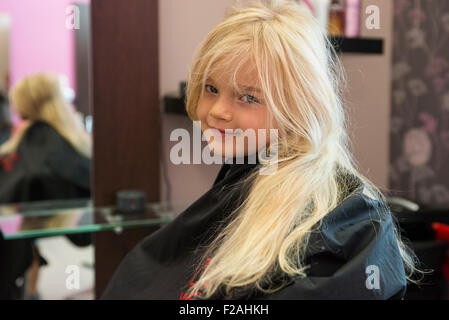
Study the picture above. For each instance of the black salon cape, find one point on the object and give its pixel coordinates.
(352, 238)
(47, 168)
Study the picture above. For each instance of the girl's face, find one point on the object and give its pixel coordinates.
(221, 108)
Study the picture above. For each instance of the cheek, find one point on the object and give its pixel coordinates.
(254, 120)
(201, 110)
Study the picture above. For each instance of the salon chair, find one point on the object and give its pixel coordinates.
(415, 222)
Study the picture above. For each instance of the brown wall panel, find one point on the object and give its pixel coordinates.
(126, 125)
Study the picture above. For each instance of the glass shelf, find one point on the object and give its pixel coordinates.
(50, 218)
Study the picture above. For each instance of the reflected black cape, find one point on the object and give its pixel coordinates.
(352, 238)
(46, 167)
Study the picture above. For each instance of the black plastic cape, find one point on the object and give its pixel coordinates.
(343, 257)
(45, 167)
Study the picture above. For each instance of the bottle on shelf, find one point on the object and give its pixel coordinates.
(352, 18)
(336, 18)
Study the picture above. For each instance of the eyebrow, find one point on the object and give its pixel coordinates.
(241, 86)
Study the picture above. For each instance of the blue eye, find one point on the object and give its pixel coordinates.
(212, 88)
(251, 99)
(246, 98)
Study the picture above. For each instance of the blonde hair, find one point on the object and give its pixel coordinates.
(302, 80)
(39, 97)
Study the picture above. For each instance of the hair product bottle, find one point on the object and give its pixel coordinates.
(336, 18)
(352, 18)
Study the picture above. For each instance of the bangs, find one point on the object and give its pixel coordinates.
(229, 65)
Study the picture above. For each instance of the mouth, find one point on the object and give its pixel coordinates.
(223, 133)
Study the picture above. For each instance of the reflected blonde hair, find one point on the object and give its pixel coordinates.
(39, 97)
(302, 80)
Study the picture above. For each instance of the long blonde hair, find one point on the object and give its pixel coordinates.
(302, 80)
(39, 97)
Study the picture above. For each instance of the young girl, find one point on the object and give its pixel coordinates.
(315, 228)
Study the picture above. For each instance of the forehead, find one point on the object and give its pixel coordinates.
(244, 72)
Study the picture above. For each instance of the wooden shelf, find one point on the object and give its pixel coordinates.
(358, 45)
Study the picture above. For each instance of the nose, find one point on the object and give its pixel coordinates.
(221, 109)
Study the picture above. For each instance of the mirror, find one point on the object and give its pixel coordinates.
(45, 37)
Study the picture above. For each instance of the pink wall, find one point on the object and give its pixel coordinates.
(368, 99)
(39, 38)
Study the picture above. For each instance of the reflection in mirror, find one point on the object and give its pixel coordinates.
(45, 140)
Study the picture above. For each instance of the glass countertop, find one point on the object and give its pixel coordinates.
(50, 218)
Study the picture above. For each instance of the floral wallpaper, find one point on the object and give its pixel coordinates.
(419, 155)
